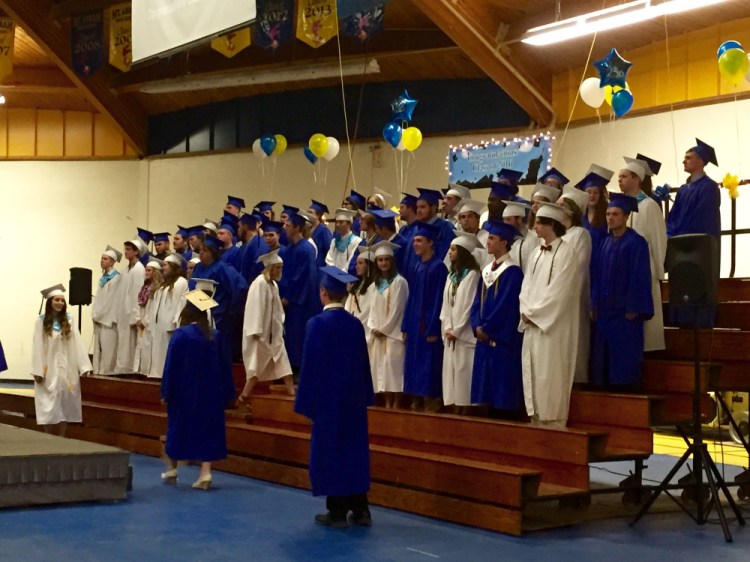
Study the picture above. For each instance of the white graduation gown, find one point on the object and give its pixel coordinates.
(649, 223)
(549, 299)
(127, 315)
(387, 353)
(265, 357)
(359, 305)
(165, 319)
(580, 239)
(342, 259)
(522, 248)
(104, 315)
(60, 362)
(458, 356)
(145, 338)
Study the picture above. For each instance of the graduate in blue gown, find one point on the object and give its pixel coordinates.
(385, 224)
(335, 389)
(196, 386)
(497, 377)
(423, 364)
(180, 243)
(427, 211)
(696, 207)
(298, 287)
(286, 212)
(321, 234)
(621, 300)
(358, 203)
(408, 213)
(230, 253)
(253, 246)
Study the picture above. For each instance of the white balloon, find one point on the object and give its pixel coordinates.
(258, 151)
(401, 146)
(591, 93)
(333, 149)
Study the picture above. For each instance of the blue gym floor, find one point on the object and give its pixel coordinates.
(244, 519)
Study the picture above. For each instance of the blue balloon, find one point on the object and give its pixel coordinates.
(392, 133)
(310, 156)
(726, 45)
(622, 101)
(613, 70)
(268, 144)
(403, 107)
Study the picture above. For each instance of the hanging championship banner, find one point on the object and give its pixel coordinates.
(120, 27)
(232, 43)
(274, 23)
(317, 21)
(87, 49)
(364, 25)
(7, 40)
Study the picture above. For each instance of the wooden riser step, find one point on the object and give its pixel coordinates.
(716, 346)
(730, 290)
(733, 315)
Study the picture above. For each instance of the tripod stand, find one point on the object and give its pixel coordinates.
(702, 461)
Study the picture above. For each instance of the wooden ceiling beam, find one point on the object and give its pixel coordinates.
(38, 80)
(129, 118)
(474, 25)
(66, 8)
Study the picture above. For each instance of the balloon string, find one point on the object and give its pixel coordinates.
(273, 174)
(343, 102)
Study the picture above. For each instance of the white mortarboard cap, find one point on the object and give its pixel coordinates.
(155, 263)
(195, 261)
(553, 211)
(466, 240)
(638, 167)
(54, 291)
(470, 205)
(366, 252)
(271, 258)
(384, 248)
(344, 215)
(204, 284)
(458, 190)
(200, 300)
(515, 209)
(580, 198)
(176, 259)
(601, 171)
(140, 245)
(210, 225)
(547, 191)
(384, 194)
(113, 253)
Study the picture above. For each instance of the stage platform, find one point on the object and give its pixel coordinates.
(41, 469)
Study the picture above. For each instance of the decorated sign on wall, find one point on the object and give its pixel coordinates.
(317, 21)
(86, 42)
(274, 23)
(7, 40)
(232, 43)
(120, 31)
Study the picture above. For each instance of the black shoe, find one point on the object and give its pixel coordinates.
(329, 520)
(364, 519)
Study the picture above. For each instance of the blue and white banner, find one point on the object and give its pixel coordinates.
(476, 166)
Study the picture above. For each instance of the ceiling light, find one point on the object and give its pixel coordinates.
(2, 100)
(250, 78)
(609, 18)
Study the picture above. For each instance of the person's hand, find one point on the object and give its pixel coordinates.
(631, 316)
(403, 336)
(449, 335)
(285, 302)
(244, 398)
(378, 334)
(431, 339)
(481, 335)
(256, 337)
(38, 380)
(525, 319)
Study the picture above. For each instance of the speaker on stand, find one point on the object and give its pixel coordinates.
(79, 289)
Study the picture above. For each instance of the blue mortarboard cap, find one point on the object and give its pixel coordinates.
(229, 218)
(289, 210)
(296, 219)
(335, 280)
(145, 235)
(505, 231)
(229, 227)
(653, 165)
(503, 191)
(272, 226)
(182, 231)
(235, 201)
(161, 237)
(624, 202)
(554, 173)
(250, 219)
(358, 199)
(432, 196)
(409, 200)
(427, 230)
(513, 176)
(264, 206)
(705, 151)
(195, 230)
(592, 179)
(318, 207)
(213, 242)
(384, 217)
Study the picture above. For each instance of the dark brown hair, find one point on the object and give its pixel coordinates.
(557, 227)
(600, 210)
(168, 281)
(572, 206)
(465, 260)
(51, 315)
(192, 315)
(390, 274)
(362, 284)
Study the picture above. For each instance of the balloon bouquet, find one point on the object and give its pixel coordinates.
(733, 62)
(321, 147)
(265, 147)
(400, 135)
(611, 86)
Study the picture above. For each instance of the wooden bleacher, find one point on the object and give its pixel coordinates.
(478, 472)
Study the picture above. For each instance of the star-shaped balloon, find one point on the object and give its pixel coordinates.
(403, 106)
(613, 70)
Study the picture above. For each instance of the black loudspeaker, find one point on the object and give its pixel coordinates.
(693, 267)
(80, 286)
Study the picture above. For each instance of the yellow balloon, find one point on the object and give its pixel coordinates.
(733, 65)
(411, 138)
(280, 144)
(318, 145)
(610, 90)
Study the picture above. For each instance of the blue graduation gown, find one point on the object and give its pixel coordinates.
(696, 209)
(598, 234)
(399, 256)
(145, 258)
(423, 365)
(622, 285)
(230, 256)
(197, 384)
(3, 362)
(249, 267)
(230, 292)
(322, 237)
(283, 239)
(335, 389)
(497, 377)
(299, 285)
(188, 254)
(406, 260)
(357, 225)
(447, 233)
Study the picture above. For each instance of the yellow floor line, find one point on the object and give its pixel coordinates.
(674, 446)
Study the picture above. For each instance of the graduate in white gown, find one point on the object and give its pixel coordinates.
(387, 349)
(459, 341)
(104, 314)
(516, 214)
(343, 250)
(168, 302)
(127, 310)
(360, 293)
(58, 360)
(468, 219)
(649, 223)
(263, 350)
(144, 323)
(549, 308)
